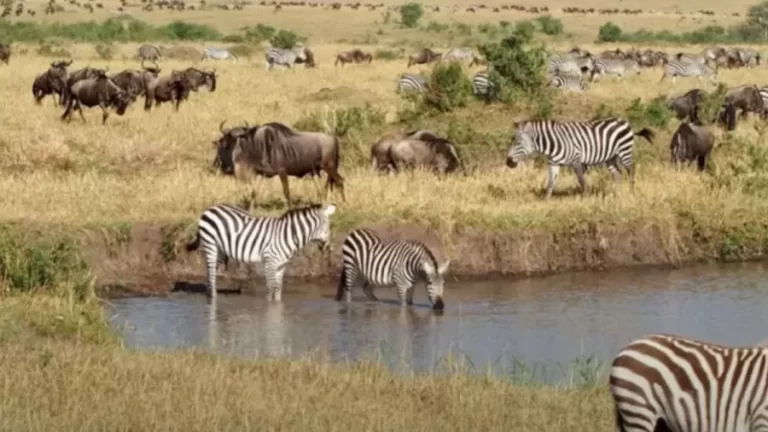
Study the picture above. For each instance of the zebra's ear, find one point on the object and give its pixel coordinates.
(329, 210)
(443, 268)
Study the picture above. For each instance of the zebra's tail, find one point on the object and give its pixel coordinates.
(342, 284)
(192, 246)
(619, 419)
(647, 134)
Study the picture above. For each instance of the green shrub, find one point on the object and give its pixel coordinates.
(526, 29)
(448, 88)
(259, 33)
(549, 25)
(386, 55)
(233, 38)
(609, 32)
(52, 49)
(516, 66)
(180, 30)
(410, 14)
(711, 103)
(286, 39)
(654, 114)
(105, 51)
(436, 27)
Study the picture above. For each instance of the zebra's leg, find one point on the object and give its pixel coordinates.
(554, 171)
(273, 272)
(578, 167)
(409, 296)
(613, 167)
(402, 292)
(368, 290)
(211, 264)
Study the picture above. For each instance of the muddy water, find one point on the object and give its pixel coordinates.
(543, 323)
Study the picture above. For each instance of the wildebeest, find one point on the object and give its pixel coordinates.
(196, 78)
(79, 75)
(434, 153)
(274, 149)
(135, 82)
(51, 82)
(354, 56)
(687, 107)
(380, 159)
(173, 87)
(424, 56)
(5, 53)
(101, 91)
(745, 98)
(691, 142)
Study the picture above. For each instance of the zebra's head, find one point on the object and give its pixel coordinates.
(435, 282)
(523, 146)
(320, 226)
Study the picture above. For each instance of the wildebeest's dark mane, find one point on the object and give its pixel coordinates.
(301, 210)
(280, 128)
(442, 146)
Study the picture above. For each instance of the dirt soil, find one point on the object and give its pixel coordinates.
(149, 261)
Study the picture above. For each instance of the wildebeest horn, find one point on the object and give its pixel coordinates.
(221, 126)
(106, 70)
(70, 62)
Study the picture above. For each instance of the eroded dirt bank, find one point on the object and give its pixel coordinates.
(151, 258)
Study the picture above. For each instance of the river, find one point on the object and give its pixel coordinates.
(549, 329)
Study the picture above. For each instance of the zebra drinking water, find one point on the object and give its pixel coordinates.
(577, 144)
(384, 263)
(230, 233)
(218, 54)
(288, 57)
(409, 82)
(670, 383)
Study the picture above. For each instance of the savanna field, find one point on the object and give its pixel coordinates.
(77, 195)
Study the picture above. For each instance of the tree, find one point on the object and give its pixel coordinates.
(410, 14)
(609, 32)
(516, 65)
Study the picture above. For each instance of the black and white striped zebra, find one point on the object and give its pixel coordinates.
(409, 82)
(681, 68)
(218, 54)
(286, 57)
(671, 383)
(568, 64)
(482, 86)
(381, 262)
(150, 52)
(230, 233)
(764, 96)
(617, 67)
(459, 55)
(578, 144)
(574, 83)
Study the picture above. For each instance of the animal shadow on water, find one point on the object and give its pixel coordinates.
(199, 288)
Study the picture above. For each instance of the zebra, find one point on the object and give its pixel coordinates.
(482, 86)
(689, 385)
(150, 52)
(764, 96)
(218, 54)
(459, 55)
(572, 83)
(578, 144)
(688, 69)
(567, 63)
(288, 57)
(409, 82)
(230, 233)
(616, 67)
(390, 262)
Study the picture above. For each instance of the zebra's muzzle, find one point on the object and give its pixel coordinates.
(438, 304)
(511, 162)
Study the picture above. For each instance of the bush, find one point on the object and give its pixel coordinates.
(52, 49)
(448, 88)
(654, 114)
(526, 29)
(105, 51)
(285, 39)
(386, 55)
(549, 25)
(233, 38)
(609, 32)
(410, 14)
(516, 66)
(180, 30)
(259, 33)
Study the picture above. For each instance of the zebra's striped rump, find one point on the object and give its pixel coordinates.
(231, 233)
(690, 386)
(390, 262)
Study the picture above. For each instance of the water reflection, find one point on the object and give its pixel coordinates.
(547, 321)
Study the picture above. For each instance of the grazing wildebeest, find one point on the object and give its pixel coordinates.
(173, 87)
(101, 91)
(691, 142)
(79, 75)
(51, 82)
(135, 82)
(274, 149)
(5, 53)
(434, 153)
(745, 98)
(195, 78)
(354, 56)
(687, 106)
(424, 56)
(380, 159)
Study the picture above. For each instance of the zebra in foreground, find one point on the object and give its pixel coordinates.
(482, 86)
(218, 54)
(689, 385)
(678, 68)
(616, 67)
(230, 233)
(572, 83)
(380, 262)
(409, 82)
(764, 96)
(150, 52)
(567, 63)
(288, 57)
(578, 144)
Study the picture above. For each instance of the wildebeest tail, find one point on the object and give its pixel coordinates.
(647, 134)
(336, 161)
(192, 246)
(36, 93)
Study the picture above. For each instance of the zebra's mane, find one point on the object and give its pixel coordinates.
(309, 208)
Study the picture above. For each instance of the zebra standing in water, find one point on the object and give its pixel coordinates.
(409, 82)
(578, 144)
(287, 57)
(689, 386)
(385, 263)
(573, 83)
(218, 54)
(150, 52)
(230, 233)
(482, 86)
(684, 68)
